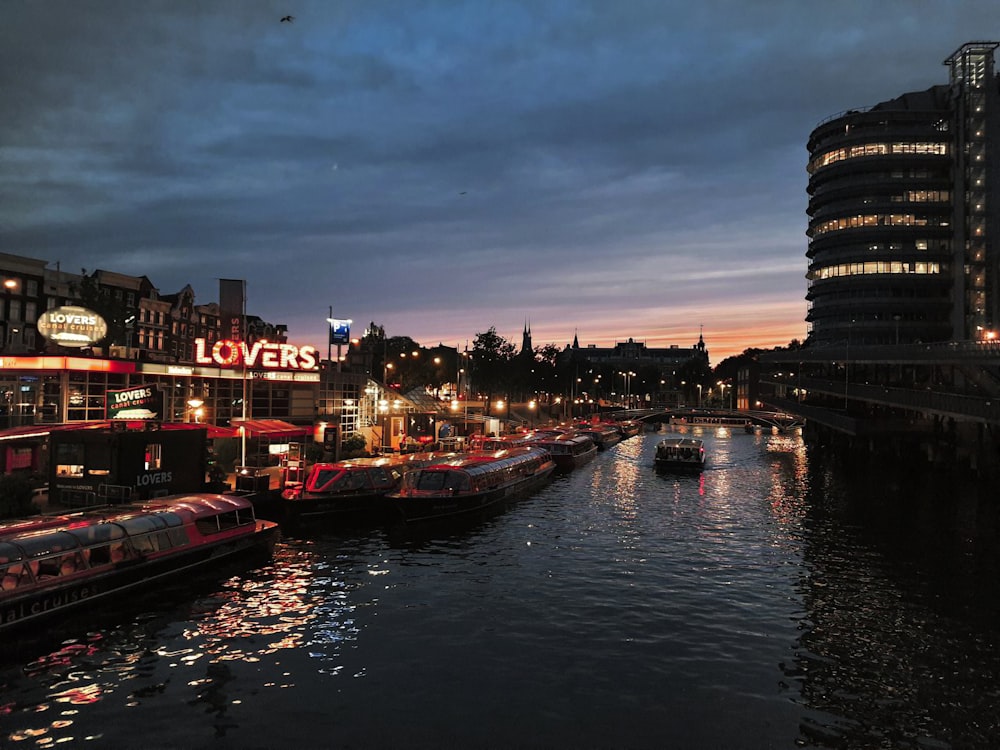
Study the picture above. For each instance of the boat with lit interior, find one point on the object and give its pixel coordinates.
(685, 453)
(354, 487)
(50, 564)
(471, 482)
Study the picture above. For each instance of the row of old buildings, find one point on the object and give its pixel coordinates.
(144, 323)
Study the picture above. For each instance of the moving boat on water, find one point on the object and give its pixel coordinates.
(352, 487)
(471, 482)
(680, 453)
(53, 563)
(569, 450)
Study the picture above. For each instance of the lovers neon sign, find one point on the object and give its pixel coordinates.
(260, 355)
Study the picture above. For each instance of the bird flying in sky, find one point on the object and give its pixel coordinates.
(287, 19)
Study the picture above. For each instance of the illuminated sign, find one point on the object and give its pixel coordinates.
(72, 326)
(260, 355)
(138, 402)
(340, 331)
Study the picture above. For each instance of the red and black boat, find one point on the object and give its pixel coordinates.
(354, 488)
(471, 482)
(51, 564)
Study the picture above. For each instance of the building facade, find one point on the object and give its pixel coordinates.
(902, 232)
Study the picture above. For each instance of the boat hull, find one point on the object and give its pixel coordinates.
(367, 506)
(567, 462)
(693, 466)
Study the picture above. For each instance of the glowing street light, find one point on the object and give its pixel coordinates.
(722, 393)
(195, 405)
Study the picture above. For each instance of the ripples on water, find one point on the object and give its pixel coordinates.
(767, 602)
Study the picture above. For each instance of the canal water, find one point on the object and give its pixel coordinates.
(776, 600)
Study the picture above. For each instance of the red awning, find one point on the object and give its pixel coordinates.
(213, 431)
(28, 431)
(270, 428)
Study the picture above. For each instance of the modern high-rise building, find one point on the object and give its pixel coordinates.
(904, 226)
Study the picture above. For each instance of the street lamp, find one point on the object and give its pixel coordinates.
(722, 393)
(699, 395)
(195, 405)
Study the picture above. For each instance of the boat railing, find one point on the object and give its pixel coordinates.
(78, 497)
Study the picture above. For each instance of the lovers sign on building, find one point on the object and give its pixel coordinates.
(72, 326)
(138, 402)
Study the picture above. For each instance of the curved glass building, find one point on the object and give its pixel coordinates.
(902, 220)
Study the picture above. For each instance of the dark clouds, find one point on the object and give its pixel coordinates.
(621, 169)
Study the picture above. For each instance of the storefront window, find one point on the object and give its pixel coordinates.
(69, 460)
(154, 456)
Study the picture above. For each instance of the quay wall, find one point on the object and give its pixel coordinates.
(940, 446)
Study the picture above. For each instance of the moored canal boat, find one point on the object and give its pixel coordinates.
(353, 487)
(470, 483)
(52, 564)
(569, 450)
(505, 442)
(680, 453)
(604, 434)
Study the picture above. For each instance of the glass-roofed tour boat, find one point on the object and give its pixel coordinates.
(50, 564)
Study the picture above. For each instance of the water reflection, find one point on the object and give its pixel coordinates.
(886, 658)
(772, 600)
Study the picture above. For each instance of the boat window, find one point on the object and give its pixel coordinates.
(47, 543)
(222, 522)
(9, 552)
(57, 565)
(142, 524)
(144, 543)
(99, 554)
(98, 532)
(322, 478)
(380, 476)
(13, 572)
(354, 480)
(175, 532)
(458, 481)
(431, 480)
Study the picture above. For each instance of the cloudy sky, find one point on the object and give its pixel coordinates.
(612, 169)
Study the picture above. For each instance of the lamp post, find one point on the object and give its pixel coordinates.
(699, 395)
(383, 407)
(722, 393)
(10, 286)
